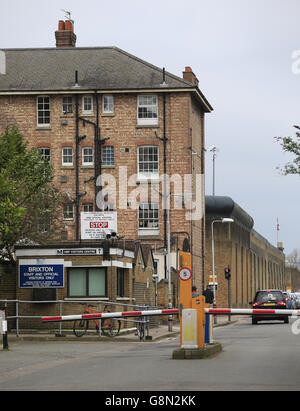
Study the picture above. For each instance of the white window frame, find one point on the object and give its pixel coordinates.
(111, 156)
(45, 157)
(144, 121)
(67, 164)
(150, 224)
(91, 110)
(108, 107)
(68, 209)
(146, 175)
(43, 110)
(68, 104)
(87, 163)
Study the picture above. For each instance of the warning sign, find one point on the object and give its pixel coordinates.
(95, 226)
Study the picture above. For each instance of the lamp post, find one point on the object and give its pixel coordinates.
(222, 220)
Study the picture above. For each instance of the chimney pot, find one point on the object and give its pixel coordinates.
(65, 36)
(68, 25)
(61, 25)
(188, 75)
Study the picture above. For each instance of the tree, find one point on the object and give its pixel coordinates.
(292, 146)
(29, 202)
(294, 256)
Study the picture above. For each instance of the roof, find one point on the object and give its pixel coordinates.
(222, 206)
(99, 68)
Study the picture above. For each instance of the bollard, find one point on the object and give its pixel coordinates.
(207, 327)
(189, 329)
(3, 330)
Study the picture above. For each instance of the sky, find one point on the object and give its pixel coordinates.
(244, 53)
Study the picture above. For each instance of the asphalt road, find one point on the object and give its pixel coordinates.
(255, 357)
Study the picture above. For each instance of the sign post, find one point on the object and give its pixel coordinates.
(3, 328)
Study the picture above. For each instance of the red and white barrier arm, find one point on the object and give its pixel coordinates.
(111, 315)
(246, 311)
(217, 311)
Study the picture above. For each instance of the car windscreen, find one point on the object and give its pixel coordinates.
(264, 296)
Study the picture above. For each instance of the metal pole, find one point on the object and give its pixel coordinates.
(213, 266)
(229, 297)
(170, 319)
(213, 259)
(214, 157)
(5, 340)
(17, 315)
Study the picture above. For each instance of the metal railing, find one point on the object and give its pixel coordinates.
(60, 303)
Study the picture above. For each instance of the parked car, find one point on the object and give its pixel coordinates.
(288, 299)
(265, 299)
(297, 295)
(294, 301)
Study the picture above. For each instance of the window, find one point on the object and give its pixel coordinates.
(45, 153)
(67, 156)
(43, 224)
(148, 215)
(89, 207)
(147, 110)
(148, 162)
(43, 111)
(108, 156)
(120, 282)
(87, 282)
(68, 212)
(67, 104)
(108, 104)
(87, 104)
(87, 156)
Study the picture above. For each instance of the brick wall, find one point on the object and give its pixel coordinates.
(255, 264)
(184, 129)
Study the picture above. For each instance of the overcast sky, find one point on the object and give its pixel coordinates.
(241, 52)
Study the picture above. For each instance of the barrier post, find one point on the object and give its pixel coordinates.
(185, 286)
(207, 328)
(198, 304)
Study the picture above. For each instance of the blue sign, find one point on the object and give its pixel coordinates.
(41, 276)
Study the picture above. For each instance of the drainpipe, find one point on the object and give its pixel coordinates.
(77, 163)
(165, 174)
(97, 154)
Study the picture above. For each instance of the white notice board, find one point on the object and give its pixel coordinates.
(95, 225)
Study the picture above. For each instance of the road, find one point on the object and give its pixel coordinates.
(260, 357)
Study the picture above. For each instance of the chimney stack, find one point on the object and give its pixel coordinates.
(65, 36)
(188, 75)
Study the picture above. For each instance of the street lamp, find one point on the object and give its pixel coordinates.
(222, 220)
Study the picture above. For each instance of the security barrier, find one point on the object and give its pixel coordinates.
(174, 311)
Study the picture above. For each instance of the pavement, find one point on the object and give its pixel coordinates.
(155, 334)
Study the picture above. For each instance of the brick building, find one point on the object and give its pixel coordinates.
(101, 111)
(254, 262)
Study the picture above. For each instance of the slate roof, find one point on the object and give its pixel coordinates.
(99, 68)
